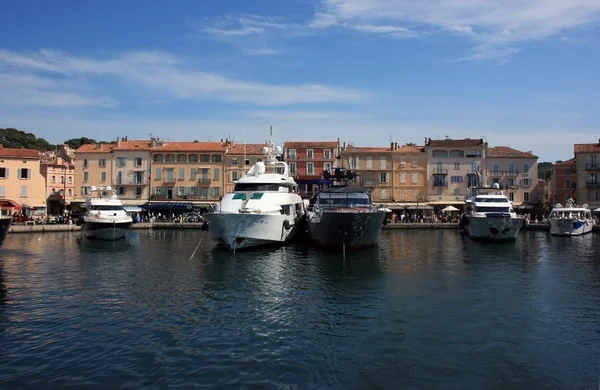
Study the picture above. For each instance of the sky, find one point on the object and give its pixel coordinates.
(519, 73)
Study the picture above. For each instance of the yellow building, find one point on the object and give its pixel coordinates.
(516, 172)
(22, 186)
(187, 171)
(453, 166)
(587, 166)
(239, 159)
(93, 167)
(396, 174)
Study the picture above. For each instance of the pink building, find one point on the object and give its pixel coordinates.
(60, 183)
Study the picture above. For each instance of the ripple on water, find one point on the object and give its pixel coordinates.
(424, 309)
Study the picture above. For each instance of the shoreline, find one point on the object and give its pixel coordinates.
(20, 229)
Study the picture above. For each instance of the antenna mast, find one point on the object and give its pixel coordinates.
(244, 145)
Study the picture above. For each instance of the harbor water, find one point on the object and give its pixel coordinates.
(426, 309)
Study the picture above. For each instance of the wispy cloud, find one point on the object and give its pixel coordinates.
(163, 74)
(496, 27)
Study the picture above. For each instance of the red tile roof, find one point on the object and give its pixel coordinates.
(565, 163)
(454, 142)
(250, 149)
(367, 149)
(129, 145)
(587, 148)
(310, 144)
(93, 148)
(19, 153)
(505, 151)
(190, 147)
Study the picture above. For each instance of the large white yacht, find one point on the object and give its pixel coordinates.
(104, 217)
(490, 215)
(570, 220)
(264, 207)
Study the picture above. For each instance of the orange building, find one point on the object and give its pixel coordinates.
(308, 160)
(239, 159)
(564, 182)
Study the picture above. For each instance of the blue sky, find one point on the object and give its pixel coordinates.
(522, 73)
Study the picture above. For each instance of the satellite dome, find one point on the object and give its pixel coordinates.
(259, 168)
(278, 149)
(496, 185)
(265, 150)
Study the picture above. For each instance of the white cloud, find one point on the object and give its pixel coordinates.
(487, 22)
(168, 75)
(265, 51)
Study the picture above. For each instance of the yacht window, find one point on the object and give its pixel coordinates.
(344, 200)
(106, 208)
(261, 187)
(495, 209)
(286, 209)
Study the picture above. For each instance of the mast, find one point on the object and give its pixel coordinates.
(244, 163)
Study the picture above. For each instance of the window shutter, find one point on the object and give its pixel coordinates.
(7, 173)
(19, 173)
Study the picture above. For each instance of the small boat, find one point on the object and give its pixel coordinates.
(490, 215)
(570, 220)
(263, 209)
(104, 217)
(5, 222)
(342, 215)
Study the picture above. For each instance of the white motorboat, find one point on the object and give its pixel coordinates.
(104, 217)
(264, 207)
(570, 220)
(490, 215)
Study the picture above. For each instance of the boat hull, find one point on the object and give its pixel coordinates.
(235, 231)
(569, 226)
(108, 231)
(352, 229)
(492, 228)
(4, 228)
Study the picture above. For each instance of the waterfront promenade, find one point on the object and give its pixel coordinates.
(171, 225)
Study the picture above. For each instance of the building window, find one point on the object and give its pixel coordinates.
(415, 195)
(52, 179)
(62, 180)
(511, 196)
(526, 182)
(310, 168)
(3, 173)
(121, 162)
(102, 163)
(216, 158)
(369, 162)
(24, 173)
(495, 169)
(122, 190)
(181, 171)
(382, 163)
(180, 191)
(70, 179)
(69, 192)
(292, 153)
(102, 176)
(456, 166)
(119, 177)
(181, 158)
(137, 161)
(85, 163)
(292, 166)
(511, 169)
(86, 176)
(327, 167)
(415, 178)
(402, 195)
(383, 177)
(369, 179)
(234, 176)
(159, 158)
(402, 178)
(157, 174)
(526, 196)
(353, 162)
(309, 154)
(383, 194)
(234, 162)
(414, 162)
(170, 158)
(138, 191)
(157, 190)
(193, 158)
(525, 169)
(216, 173)
(327, 154)
(23, 193)
(567, 183)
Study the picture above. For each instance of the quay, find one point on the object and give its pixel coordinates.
(189, 225)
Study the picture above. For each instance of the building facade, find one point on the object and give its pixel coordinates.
(93, 167)
(453, 166)
(59, 176)
(373, 167)
(563, 182)
(409, 173)
(238, 160)
(587, 166)
(22, 186)
(308, 160)
(187, 170)
(516, 172)
(131, 163)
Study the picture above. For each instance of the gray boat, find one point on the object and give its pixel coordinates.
(342, 215)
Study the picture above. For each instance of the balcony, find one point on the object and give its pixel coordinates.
(511, 173)
(204, 180)
(496, 173)
(169, 180)
(592, 184)
(440, 184)
(592, 166)
(440, 171)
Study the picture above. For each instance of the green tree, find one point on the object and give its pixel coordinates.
(18, 139)
(545, 170)
(75, 143)
(410, 144)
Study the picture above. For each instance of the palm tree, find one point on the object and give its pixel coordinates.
(410, 144)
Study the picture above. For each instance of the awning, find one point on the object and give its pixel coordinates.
(447, 203)
(9, 204)
(132, 209)
(167, 206)
(137, 202)
(312, 181)
(420, 206)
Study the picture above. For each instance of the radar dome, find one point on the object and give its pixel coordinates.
(109, 188)
(265, 150)
(278, 149)
(259, 168)
(496, 185)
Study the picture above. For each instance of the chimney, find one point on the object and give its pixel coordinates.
(153, 142)
(392, 146)
(344, 146)
(118, 141)
(395, 145)
(99, 146)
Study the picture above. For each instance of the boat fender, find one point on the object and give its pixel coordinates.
(204, 226)
(287, 225)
